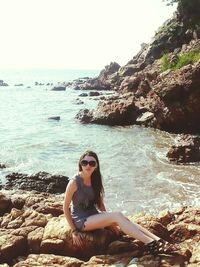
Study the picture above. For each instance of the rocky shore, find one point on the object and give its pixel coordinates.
(149, 92)
(34, 232)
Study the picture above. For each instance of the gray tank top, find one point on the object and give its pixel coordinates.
(83, 200)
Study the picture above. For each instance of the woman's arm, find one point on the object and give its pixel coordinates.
(101, 205)
(71, 188)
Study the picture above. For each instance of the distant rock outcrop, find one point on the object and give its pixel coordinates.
(2, 83)
(102, 82)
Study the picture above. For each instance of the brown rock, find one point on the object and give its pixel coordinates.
(34, 239)
(49, 260)
(195, 259)
(117, 247)
(187, 149)
(5, 204)
(12, 246)
(121, 259)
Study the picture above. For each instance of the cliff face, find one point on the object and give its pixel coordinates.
(148, 95)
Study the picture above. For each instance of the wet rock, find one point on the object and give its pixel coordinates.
(56, 118)
(84, 116)
(19, 84)
(2, 83)
(79, 102)
(41, 181)
(2, 166)
(187, 149)
(59, 88)
(94, 93)
(83, 94)
(113, 111)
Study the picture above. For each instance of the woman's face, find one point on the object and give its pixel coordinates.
(88, 164)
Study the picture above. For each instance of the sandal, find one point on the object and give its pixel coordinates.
(162, 247)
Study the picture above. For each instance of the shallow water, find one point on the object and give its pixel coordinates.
(137, 175)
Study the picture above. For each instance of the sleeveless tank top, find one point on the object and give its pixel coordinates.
(82, 202)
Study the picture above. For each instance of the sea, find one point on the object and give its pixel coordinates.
(137, 175)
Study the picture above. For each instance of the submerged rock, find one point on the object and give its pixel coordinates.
(56, 118)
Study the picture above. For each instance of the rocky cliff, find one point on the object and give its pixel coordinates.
(160, 86)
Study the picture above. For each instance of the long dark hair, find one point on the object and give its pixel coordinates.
(96, 178)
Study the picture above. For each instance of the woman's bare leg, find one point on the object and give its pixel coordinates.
(147, 232)
(105, 219)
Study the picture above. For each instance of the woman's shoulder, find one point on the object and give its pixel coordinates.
(75, 180)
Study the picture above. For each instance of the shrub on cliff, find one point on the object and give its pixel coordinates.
(181, 60)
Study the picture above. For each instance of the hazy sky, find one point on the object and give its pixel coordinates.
(84, 34)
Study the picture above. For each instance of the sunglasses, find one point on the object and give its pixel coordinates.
(92, 163)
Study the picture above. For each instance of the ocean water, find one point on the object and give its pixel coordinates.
(137, 176)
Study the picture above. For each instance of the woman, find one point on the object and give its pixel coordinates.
(88, 211)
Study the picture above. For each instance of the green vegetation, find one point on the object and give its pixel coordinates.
(181, 60)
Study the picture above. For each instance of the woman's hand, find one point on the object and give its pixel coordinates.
(78, 239)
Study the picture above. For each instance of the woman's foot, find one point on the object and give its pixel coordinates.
(162, 247)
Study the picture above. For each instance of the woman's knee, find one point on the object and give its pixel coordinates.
(117, 216)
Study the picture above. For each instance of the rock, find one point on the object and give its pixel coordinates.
(5, 204)
(145, 117)
(78, 102)
(41, 181)
(2, 166)
(11, 246)
(2, 83)
(94, 93)
(114, 111)
(49, 238)
(83, 94)
(195, 259)
(120, 260)
(84, 116)
(187, 149)
(58, 88)
(49, 260)
(19, 84)
(106, 80)
(56, 118)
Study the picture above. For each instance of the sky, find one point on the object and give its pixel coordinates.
(76, 34)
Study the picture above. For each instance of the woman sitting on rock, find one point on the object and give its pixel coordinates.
(88, 211)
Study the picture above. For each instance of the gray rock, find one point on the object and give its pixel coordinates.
(57, 118)
(58, 88)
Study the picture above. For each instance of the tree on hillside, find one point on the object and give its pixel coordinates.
(188, 9)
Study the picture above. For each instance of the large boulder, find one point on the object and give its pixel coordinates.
(41, 181)
(187, 149)
(114, 111)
